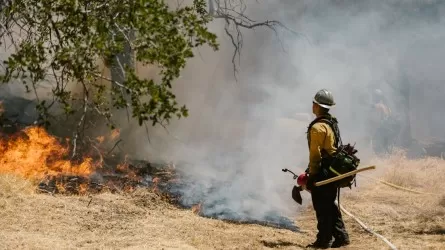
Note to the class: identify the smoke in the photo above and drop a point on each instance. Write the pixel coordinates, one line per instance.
(241, 134)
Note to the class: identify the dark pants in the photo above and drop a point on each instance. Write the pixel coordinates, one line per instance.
(330, 223)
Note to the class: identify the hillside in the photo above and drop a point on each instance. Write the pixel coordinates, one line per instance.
(143, 220)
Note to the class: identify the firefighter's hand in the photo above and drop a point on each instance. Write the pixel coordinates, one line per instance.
(311, 182)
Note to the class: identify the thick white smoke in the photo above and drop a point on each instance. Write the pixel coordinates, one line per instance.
(240, 135)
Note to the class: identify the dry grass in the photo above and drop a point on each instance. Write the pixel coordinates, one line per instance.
(143, 221)
(107, 221)
(409, 220)
(12, 185)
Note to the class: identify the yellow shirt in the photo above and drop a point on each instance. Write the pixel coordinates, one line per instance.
(380, 112)
(321, 137)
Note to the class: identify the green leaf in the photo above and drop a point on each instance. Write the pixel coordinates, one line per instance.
(87, 34)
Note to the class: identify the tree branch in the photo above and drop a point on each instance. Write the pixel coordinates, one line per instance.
(233, 12)
(82, 119)
(64, 48)
(115, 145)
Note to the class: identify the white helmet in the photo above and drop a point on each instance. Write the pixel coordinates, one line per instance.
(324, 98)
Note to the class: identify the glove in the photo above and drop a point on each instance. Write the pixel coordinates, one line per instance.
(311, 182)
(307, 170)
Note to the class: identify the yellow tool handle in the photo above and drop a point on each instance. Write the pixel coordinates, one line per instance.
(336, 178)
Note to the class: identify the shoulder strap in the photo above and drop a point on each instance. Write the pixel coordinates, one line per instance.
(333, 123)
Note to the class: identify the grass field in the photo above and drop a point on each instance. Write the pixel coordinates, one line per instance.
(143, 220)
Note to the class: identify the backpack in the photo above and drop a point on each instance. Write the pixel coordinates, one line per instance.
(343, 160)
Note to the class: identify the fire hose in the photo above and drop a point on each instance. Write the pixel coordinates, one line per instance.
(297, 197)
(397, 186)
(367, 229)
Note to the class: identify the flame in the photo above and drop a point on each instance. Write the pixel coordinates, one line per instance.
(38, 154)
(114, 134)
(100, 139)
(130, 174)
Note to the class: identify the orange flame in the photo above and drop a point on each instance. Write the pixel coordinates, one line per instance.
(38, 155)
(100, 139)
(114, 134)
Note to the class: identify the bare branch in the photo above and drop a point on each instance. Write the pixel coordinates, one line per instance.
(233, 12)
(113, 82)
(236, 45)
(115, 145)
(168, 132)
(82, 119)
(146, 130)
(126, 38)
(97, 149)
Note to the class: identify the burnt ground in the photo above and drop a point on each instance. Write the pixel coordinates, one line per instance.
(145, 219)
(161, 179)
(137, 207)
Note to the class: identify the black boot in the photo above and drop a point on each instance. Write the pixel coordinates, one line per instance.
(319, 245)
(340, 243)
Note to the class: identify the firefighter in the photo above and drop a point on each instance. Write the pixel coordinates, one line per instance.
(323, 142)
(380, 120)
